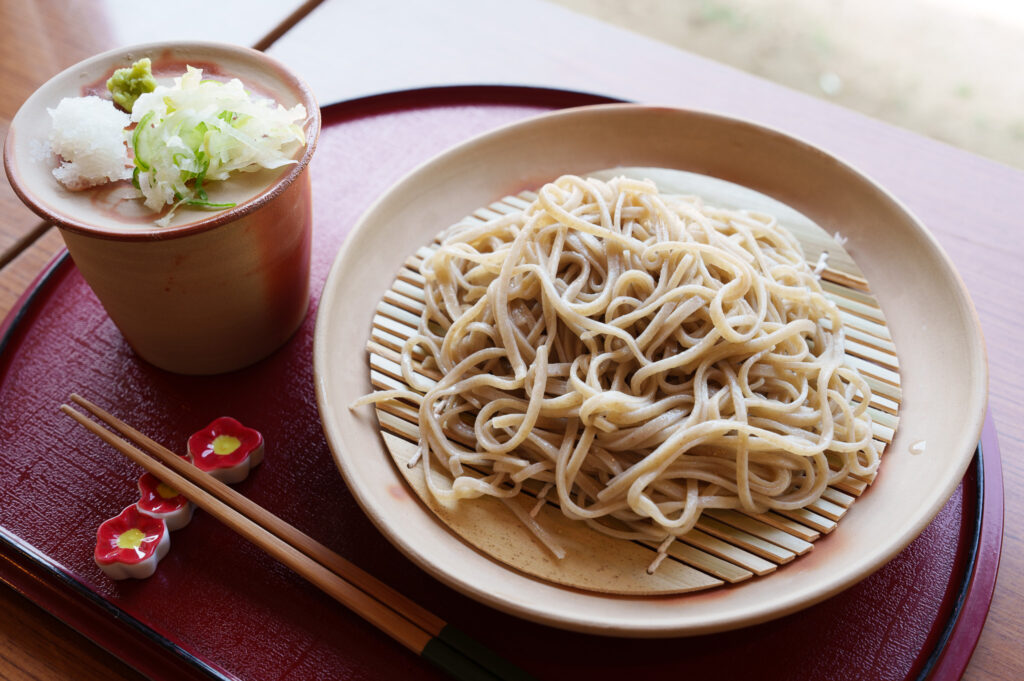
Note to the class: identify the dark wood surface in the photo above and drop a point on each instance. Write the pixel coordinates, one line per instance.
(345, 49)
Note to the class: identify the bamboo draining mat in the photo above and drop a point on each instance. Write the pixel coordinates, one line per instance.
(727, 546)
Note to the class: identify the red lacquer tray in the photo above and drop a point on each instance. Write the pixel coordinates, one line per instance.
(218, 607)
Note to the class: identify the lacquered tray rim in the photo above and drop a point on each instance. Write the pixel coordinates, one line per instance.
(36, 567)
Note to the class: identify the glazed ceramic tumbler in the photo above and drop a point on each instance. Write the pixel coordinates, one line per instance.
(212, 291)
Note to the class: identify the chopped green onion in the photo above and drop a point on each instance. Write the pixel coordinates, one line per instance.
(204, 130)
(140, 163)
(208, 204)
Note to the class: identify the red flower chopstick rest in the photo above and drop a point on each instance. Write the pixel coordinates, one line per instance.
(226, 449)
(160, 501)
(131, 544)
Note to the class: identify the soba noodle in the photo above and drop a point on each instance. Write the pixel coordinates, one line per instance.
(636, 358)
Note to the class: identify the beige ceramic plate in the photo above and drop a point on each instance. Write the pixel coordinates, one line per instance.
(931, 319)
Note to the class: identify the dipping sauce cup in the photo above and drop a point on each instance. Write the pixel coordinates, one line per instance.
(215, 290)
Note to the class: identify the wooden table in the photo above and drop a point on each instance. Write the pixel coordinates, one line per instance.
(347, 49)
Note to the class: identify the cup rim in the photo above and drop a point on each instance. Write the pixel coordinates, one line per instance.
(142, 232)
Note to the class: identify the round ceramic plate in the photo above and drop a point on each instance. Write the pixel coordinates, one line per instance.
(929, 314)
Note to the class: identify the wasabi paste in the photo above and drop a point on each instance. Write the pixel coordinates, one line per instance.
(127, 85)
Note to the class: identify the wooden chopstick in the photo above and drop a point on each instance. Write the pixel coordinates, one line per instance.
(423, 618)
(415, 627)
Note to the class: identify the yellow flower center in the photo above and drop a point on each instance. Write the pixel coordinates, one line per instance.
(131, 539)
(166, 492)
(225, 444)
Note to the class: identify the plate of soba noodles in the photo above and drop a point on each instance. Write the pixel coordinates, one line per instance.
(643, 371)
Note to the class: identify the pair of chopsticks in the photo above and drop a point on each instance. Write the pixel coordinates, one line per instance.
(419, 630)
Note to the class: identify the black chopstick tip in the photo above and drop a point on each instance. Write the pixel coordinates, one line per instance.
(483, 656)
(457, 665)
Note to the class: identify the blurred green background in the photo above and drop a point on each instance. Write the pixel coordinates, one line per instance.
(949, 69)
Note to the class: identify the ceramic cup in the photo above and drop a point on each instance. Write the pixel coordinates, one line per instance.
(212, 291)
